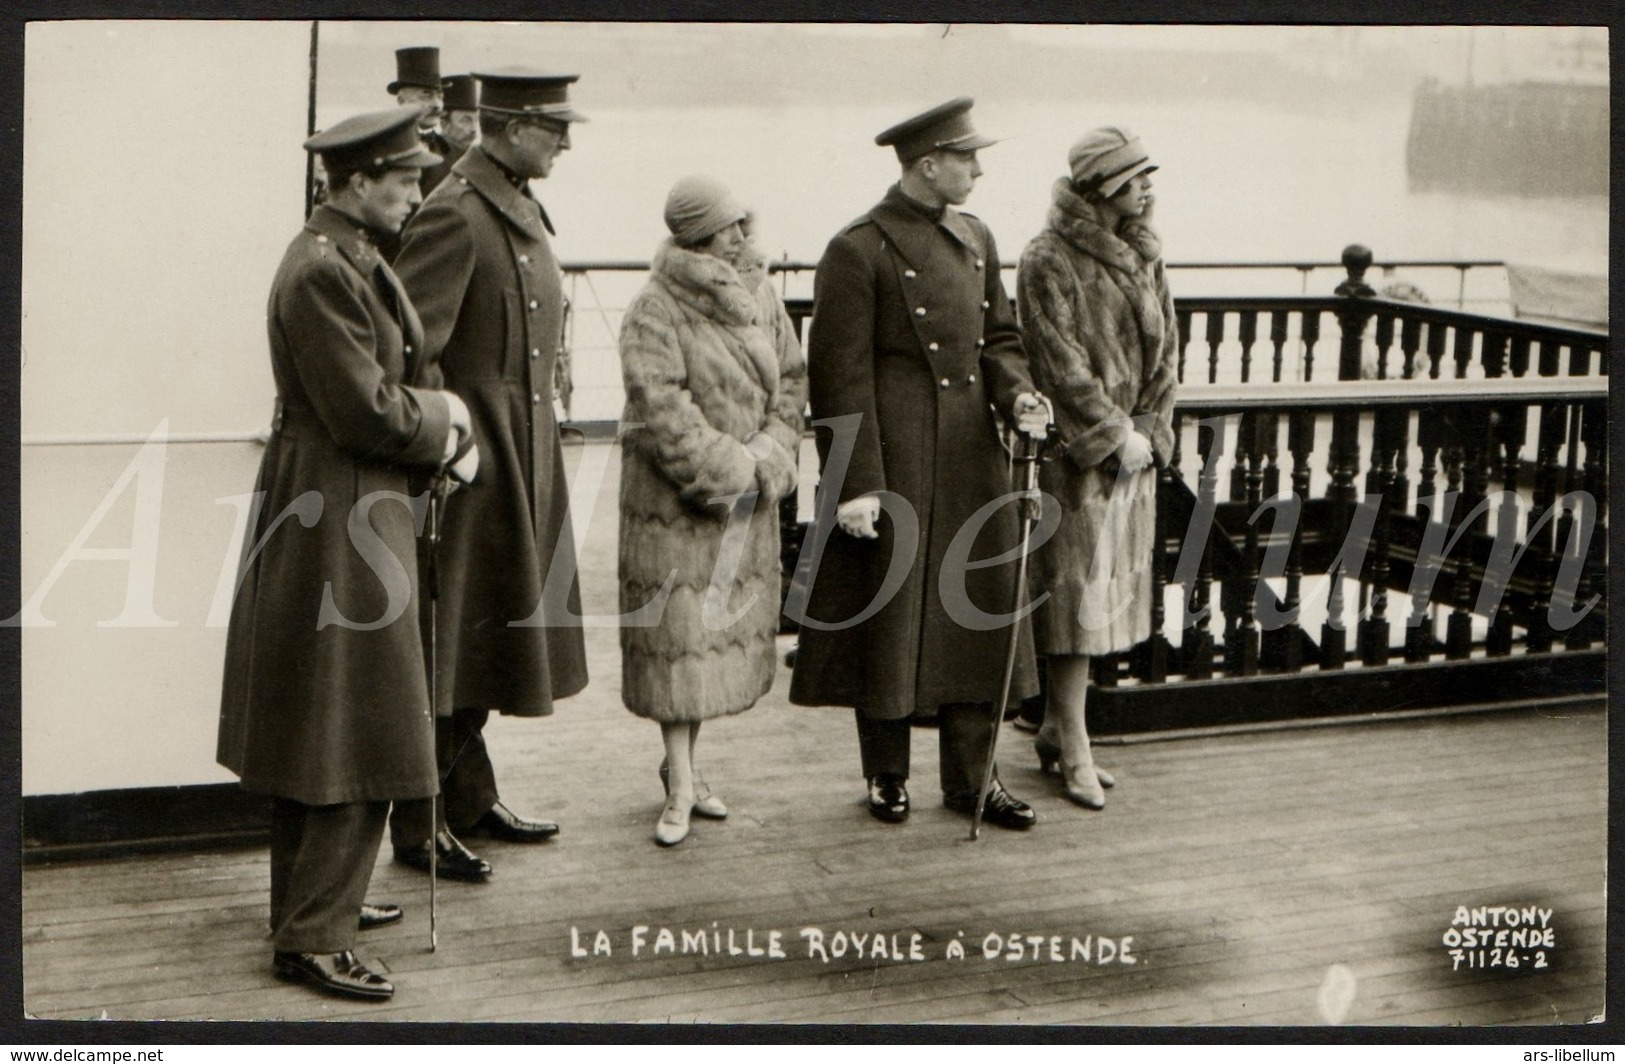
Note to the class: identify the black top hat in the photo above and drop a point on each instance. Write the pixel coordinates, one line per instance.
(377, 140)
(460, 92)
(525, 91)
(946, 126)
(416, 66)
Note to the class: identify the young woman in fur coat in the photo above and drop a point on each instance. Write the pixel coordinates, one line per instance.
(716, 386)
(1098, 324)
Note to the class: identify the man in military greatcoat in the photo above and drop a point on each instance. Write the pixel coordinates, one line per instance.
(324, 704)
(476, 261)
(915, 352)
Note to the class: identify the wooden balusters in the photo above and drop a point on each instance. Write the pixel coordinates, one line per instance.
(1463, 351)
(1333, 633)
(1197, 643)
(1256, 438)
(1182, 319)
(1385, 341)
(1215, 338)
(1388, 441)
(1278, 320)
(1410, 335)
(1300, 443)
(1436, 339)
(1508, 432)
(1493, 353)
(1247, 333)
(1310, 334)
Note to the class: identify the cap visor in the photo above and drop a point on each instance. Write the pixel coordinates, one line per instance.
(974, 142)
(421, 158)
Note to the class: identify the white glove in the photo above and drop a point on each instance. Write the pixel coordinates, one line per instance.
(465, 468)
(857, 516)
(1033, 414)
(1135, 452)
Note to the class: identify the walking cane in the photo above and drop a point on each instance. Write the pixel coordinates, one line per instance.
(439, 488)
(1031, 508)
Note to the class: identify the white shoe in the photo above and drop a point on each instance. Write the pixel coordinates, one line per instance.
(672, 827)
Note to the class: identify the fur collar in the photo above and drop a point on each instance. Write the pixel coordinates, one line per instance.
(1132, 246)
(705, 283)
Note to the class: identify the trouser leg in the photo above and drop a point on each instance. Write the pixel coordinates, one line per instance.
(469, 782)
(883, 745)
(965, 732)
(468, 785)
(327, 854)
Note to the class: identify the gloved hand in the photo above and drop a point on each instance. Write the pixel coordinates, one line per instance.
(1135, 452)
(857, 516)
(1033, 414)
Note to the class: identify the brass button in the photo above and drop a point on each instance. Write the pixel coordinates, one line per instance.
(533, 304)
(978, 264)
(971, 379)
(919, 312)
(910, 274)
(932, 345)
(526, 258)
(535, 397)
(535, 352)
(943, 382)
(986, 304)
(981, 343)
(407, 348)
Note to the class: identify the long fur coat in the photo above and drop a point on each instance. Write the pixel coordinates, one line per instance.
(716, 386)
(1098, 322)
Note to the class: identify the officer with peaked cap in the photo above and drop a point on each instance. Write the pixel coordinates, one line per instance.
(913, 346)
(324, 705)
(478, 266)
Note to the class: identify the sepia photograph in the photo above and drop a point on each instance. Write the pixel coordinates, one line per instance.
(1131, 501)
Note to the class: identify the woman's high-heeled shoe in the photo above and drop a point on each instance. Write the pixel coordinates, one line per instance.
(1083, 787)
(1049, 762)
(672, 827)
(706, 803)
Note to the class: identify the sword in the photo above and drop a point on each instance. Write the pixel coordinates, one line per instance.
(439, 488)
(1031, 508)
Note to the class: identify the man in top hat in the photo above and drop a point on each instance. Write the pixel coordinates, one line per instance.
(324, 704)
(418, 84)
(459, 127)
(913, 334)
(476, 261)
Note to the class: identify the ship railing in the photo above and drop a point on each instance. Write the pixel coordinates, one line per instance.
(1225, 326)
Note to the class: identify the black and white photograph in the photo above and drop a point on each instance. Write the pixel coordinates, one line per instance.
(1131, 501)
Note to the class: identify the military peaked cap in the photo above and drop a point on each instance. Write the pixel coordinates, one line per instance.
(946, 127)
(378, 140)
(416, 66)
(525, 91)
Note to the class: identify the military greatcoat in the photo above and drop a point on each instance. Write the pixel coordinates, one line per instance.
(912, 331)
(476, 261)
(322, 702)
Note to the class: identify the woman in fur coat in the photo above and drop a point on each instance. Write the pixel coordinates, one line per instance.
(715, 387)
(1098, 324)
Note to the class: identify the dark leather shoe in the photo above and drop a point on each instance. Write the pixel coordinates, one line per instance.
(334, 973)
(504, 824)
(453, 860)
(1002, 808)
(888, 798)
(378, 915)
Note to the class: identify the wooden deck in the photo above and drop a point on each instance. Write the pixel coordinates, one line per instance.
(1243, 866)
